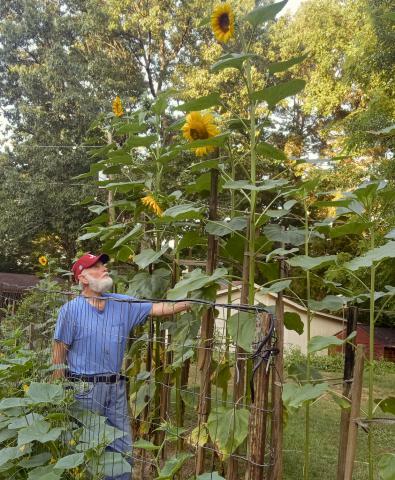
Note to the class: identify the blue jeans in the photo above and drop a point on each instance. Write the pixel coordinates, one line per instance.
(109, 400)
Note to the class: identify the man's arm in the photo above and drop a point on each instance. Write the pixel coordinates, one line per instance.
(165, 309)
(59, 357)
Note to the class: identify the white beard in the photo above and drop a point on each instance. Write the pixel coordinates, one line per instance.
(99, 285)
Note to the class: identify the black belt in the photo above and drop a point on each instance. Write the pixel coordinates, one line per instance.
(96, 378)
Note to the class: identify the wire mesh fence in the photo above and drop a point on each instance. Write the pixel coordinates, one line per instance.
(127, 375)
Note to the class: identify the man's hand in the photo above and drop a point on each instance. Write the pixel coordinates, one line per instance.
(165, 309)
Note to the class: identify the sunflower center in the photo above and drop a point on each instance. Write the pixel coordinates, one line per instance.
(198, 134)
(223, 22)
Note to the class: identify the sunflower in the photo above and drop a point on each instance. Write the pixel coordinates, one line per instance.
(42, 260)
(149, 201)
(117, 107)
(223, 22)
(200, 127)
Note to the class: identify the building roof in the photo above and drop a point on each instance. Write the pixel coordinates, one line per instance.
(383, 335)
(17, 282)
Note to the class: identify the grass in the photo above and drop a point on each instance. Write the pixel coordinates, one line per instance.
(325, 419)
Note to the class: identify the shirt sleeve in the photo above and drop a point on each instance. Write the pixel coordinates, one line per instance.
(63, 329)
(139, 312)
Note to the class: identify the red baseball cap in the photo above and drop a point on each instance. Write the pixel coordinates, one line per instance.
(86, 261)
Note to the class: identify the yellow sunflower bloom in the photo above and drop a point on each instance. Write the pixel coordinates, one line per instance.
(149, 201)
(42, 260)
(223, 22)
(200, 127)
(117, 107)
(25, 388)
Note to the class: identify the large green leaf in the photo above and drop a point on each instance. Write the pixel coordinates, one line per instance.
(268, 151)
(387, 405)
(125, 187)
(320, 343)
(294, 395)
(200, 103)
(280, 252)
(70, 461)
(25, 420)
(146, 285)
(45, 393)
(195, 281)
(273, 95)
(162, 101)
(173, 465)
(145, 444)
(11, 453)
(45, 473)
(259, 187)
(228, 428)
(386, 466)
(191, 239)
(275, 233)
(264, 13)
(222, 228)
(282, 66)
(350, 228)
(332, 303)
(11, 402)
(216, 141)
(230, 60)
(142, 397)
(40, 431)
(241, 328)
(372, 256)
(148, 256)
(277, 286)
(129, 236)
(292, 321)
(35, 460)
(183, 212)
(109, 464)
(309, 263)
(137, 141)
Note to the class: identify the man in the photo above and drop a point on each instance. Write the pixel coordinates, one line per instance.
(90, 338)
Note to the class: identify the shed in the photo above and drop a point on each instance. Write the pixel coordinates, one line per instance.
(384, 341)
(322, 323)
(13, 286)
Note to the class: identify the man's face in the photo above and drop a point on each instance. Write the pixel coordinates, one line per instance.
(97, 278)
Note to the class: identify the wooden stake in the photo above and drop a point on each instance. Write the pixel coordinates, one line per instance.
(356, 392)
(349, 358)
(207, 328)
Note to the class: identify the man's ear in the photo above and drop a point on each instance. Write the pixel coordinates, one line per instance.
(82, 280)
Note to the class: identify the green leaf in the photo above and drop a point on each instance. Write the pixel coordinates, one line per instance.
(40, 431)
(228, 428)
(309, 263)
(387, 405)
(195, 281)
(268, 151)
(146, 285)
(210, 476)
(216, 141)
(162, 101)
(142, 397)
(320, 343)
(190, 239)
(132, 234)
(45, 393)
(273, 95)
(241, 328)
(70, 461)
(351, 228)
(25, 421)
(261, 186)
(130, 128)
(372, 256)
(35, 460)
(201, 103)
(292, 321)
(280, 252)
(277, 287)
(45, 473)
(294, 396)
(137, 141)
(264, 13)
(183, 212)
(173, 465)
(230, 60)
(330, 302)
(207, 164)
(109, 464)
(386, 466)
(145, 444)
(275, 233)
(282, 66)
(222, 228)
(11, 402)
(148, 256)
(11, 453)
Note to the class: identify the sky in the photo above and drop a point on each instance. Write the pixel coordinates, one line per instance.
(292, 6)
